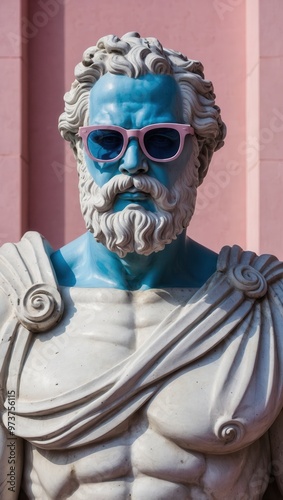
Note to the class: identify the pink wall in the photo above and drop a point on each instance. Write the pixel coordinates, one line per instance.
(241, 47)
(13, 137)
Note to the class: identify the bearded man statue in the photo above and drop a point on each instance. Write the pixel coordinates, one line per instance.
(136, 363)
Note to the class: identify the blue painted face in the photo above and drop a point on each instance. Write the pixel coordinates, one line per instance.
(132, 104)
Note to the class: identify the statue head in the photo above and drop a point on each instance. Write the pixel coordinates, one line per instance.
(134, 82)
(134, 56)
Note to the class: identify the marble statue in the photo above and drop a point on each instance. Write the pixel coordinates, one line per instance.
(135, 363)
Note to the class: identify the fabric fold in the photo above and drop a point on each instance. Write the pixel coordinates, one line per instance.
(238, 309)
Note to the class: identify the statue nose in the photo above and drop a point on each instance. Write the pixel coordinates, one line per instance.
(133, 161)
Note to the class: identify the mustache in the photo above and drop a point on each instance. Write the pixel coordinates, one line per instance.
(103, 197)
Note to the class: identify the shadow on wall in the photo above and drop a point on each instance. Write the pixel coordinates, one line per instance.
(44, 33)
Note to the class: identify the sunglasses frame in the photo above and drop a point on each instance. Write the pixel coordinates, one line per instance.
(182, 128)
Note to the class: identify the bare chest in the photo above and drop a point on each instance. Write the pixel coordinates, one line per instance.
(100, 333)
(99, 330)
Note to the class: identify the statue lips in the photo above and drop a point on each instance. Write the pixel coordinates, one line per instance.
(133, 195)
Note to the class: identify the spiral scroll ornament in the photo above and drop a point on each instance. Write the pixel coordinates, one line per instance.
(40, 307)
(249, 280)
(229, 431)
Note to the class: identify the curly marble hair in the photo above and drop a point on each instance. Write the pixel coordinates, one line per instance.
(134, 56)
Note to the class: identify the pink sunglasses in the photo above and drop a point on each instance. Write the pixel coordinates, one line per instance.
(161, 142)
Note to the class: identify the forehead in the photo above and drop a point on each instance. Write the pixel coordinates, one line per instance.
(146, 96)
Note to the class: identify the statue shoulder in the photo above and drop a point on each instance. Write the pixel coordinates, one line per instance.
(252, 273)
(30, 302)
(26, 261)
(28, 281)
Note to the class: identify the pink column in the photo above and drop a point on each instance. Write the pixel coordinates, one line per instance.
(264, 144)
(13, 143)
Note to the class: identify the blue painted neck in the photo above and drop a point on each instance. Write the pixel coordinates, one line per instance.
(86, 263)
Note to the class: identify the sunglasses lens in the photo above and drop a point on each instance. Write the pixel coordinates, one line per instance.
(105, 144)
(162, 143)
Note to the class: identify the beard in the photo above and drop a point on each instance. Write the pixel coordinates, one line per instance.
(135, 229)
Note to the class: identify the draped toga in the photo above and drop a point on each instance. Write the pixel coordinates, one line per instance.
(242, 302)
